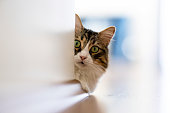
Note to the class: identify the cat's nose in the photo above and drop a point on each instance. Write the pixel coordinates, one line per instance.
(83, 57)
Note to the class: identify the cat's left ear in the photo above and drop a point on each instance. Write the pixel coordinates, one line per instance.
(107, 34)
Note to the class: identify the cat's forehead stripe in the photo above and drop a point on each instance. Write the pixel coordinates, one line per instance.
(82, 37)
(90, 32)
(93, 40)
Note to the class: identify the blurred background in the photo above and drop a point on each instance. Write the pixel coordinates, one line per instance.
(134, 25)
(139, 52)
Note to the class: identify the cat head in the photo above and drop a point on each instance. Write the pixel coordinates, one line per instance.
(91, 48)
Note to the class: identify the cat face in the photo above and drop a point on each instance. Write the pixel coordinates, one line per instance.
(91, 48)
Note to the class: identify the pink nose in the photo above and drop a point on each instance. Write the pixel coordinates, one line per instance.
(83, 57)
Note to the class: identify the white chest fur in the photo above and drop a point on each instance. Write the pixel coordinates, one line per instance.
(88, 73)
(88, 76)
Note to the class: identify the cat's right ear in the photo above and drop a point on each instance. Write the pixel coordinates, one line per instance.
(107, 34)
(78, 24)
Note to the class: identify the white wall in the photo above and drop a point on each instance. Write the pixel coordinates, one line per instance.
(36, 47)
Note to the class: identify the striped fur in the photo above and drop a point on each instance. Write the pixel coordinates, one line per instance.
(89, 71)
(89, 36)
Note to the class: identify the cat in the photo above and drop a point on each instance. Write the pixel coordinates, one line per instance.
(90, 54)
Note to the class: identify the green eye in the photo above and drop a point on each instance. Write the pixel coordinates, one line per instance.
(77, 44)
(94, 49)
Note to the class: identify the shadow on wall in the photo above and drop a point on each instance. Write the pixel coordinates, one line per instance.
(51, 98)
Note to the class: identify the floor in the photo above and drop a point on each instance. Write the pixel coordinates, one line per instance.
(121, 92)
